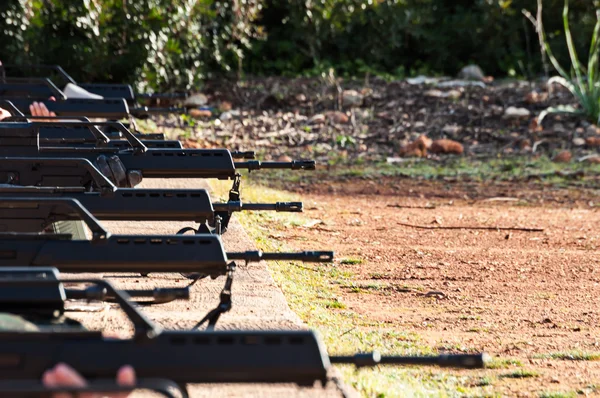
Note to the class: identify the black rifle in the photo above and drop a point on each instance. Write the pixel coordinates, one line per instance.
(60, 132)
(23, 91)
(202, 255)
(107, 202)
(22, 297)
(124, 91)
(163, 359)
(22, 140)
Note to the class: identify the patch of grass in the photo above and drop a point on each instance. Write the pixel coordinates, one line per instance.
(541, 170)
(558, 394)
(335, 304)
(520, 374)
(572, 356)
(482, 382)
(312, 293)
(503, 363)
(351, 261)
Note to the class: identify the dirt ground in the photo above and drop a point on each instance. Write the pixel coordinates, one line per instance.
(518, 294)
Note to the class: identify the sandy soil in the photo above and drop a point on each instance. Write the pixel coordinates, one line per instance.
(514, 294)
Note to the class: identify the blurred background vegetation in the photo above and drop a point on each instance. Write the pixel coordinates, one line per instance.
(161, 44)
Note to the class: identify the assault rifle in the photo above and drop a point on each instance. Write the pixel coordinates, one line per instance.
(200, 255)
(23, 91)
(165, 359)
(124, 91)
(22, 140)
(107, 202)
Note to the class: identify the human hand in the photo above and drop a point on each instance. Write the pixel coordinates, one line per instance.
(63, 375)
(39, 109)
(4, 114)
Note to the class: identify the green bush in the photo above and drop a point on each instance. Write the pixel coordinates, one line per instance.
(176, 43)
(412, 36)
(156, 43)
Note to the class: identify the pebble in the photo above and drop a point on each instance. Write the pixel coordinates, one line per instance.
(559, 128)
(471, 72)
(593, 160)
(352, 98)
(593, 142)
(225, 116)
(578, 141)
(319, 118)
(446, 147)
(513, 112)
(196, 100)
(451, 129)
(200, 113)
(592, 130)
(337, 117)
(562, 157)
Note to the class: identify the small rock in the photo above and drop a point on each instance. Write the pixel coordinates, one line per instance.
(451, 129)
(554, 380)
(284, 158)
(225, 106)
(195, 100)
(300, 97)
(417, 148)
(471, 72)
(225, 116)
(434, 93)
(446, 146)
(337, 117)
(578, 141)
(593, 142)
(559, 128)
(319, 118)
(592, 130)
(535, 97)
(352, 98)
(593, 160)
(200, 113)
(562, 157)
(454, 94)
(513, 112)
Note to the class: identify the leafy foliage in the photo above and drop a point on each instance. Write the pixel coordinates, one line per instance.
(582, 82)
(177, 43)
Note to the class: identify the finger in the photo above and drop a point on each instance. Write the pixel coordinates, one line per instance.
(49, 380)
(44, 110)
(51, 99)
(36, 109)
(125, 377)
(68, 377)
(52, 114)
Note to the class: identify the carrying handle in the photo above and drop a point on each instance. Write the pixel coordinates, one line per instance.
(55, 91)
(56, 68)
(98, 232)
(99, 179)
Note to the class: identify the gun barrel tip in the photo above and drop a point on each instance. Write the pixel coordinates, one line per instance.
(486, 359)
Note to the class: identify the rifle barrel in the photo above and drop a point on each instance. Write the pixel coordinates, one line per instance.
(158, 294)
(471, 361)
(293, 165)
(230, 206)
(306, 256)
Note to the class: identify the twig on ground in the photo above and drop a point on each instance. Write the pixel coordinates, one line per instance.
(413, 207)
(476, 227)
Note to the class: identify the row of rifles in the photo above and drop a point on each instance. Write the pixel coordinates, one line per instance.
(60, 175)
